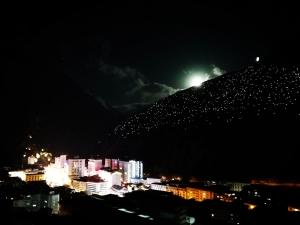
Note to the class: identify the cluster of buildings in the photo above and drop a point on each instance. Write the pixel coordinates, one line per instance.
(92, 176)
(197, 192)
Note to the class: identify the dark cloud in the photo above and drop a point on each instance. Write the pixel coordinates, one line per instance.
(132, 88)
(133, 107)
(152, 92)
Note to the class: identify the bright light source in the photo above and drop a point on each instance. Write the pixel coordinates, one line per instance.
(125, 210)
(257, 59)
(197, 79)
(143, 216)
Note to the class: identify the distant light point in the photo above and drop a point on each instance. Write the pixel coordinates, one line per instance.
(257, 59)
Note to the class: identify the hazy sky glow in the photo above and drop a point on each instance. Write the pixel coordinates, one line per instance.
(196, 79)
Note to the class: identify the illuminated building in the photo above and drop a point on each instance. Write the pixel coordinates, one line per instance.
(106, 176)
(78, 185)
(35, 176)
(61, 161)
(114, 164)
(94, 165)
(179, 191)
(158, 187)
(20, 174)
(91, 185)
(124, 168)
(236, 186)
(107, 163)
(199, 194)
(28, 175)
(116, 178)
(135, 171)
(76, 168)
(150, 181)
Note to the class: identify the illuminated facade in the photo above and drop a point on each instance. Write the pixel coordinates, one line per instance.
(158, 187)
(179, 191)
(78, 185)
(116, 178)
(28, 176)
(135, 171)
(76, 168)
(94, 165)
(236, 186)
(107, 163)
(114, 164)
(199, 194)
(124, 168)
(34, 176)
(91, 185)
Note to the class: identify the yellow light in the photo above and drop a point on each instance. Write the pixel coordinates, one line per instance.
(251, 207)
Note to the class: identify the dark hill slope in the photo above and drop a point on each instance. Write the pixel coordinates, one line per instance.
(242, 122)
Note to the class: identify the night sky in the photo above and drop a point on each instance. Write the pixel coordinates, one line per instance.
(130, 55)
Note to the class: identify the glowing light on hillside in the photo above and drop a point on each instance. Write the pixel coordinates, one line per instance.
(196, 80)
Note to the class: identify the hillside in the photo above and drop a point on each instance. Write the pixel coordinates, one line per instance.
(243, 121)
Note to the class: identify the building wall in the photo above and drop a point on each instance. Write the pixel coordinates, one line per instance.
(179, 191)
(199, 194)
(35, 177)
(79, 186)
(76, 167)
(116, 178)
(114, 164)
(107, 163)
(92, 188)
(158, 187)
(236, 186)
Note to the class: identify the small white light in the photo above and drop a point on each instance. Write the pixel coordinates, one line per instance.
(257, 59)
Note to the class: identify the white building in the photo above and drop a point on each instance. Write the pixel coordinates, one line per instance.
(135, 171)
(91, 186)
(21, 174)
(61, 161)
(107, 163)
(158, 187)
(94, 165)
(150, 180)
(77, 167)
(114, 164)
(116, 178)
